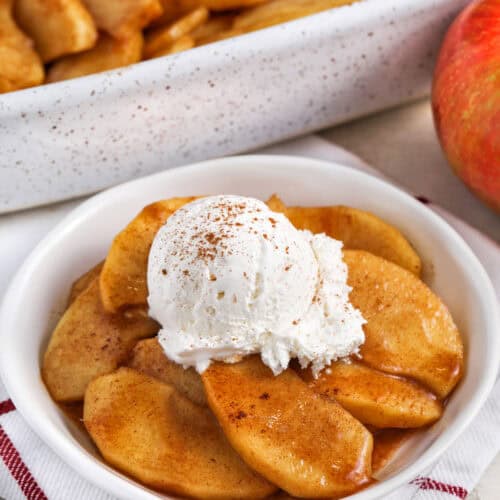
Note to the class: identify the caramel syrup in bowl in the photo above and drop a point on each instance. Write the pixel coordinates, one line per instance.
(386, 443)
(74, 413)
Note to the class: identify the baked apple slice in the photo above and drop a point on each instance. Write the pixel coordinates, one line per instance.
(149, 358)
(20, 64)
(124, 275)
(148, 430)
(409, 331)
(57, 28)
(81, 283)
(108, 53)
(306, 444)
(357, 229)
(89, 342)
(374, 397)
(123, 18)
(275, 203)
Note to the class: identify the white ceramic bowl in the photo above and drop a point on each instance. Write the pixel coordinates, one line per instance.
(36, 296)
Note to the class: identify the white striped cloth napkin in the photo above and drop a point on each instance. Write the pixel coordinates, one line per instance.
(29, 469)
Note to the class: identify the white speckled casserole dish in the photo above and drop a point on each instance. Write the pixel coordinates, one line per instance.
(72, 138)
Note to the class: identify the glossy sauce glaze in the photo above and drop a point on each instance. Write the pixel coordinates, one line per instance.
(386, 443)
(74, 413)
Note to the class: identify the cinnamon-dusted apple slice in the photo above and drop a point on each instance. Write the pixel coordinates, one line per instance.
(89, 342)
(81, 283)
(306, 444)
(409, 331)
(149, 358)
(357, 229)
(20, 65)
(374, 397)
(124, 275)
(123, 18)
(281, 11)
(108, 53)
(148, 430)
(275, 203)
(58, 27)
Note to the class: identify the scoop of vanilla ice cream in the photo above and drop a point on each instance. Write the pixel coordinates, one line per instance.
(228, 277)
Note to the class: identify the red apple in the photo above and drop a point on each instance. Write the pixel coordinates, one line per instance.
(466, 98)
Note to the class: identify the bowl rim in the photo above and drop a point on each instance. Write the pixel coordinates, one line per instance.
(107, 478)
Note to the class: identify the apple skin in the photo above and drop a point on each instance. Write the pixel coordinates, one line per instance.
(466, 98)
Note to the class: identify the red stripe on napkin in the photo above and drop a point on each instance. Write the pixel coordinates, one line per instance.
(426, 483)
(18, 468)
(6, 406)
